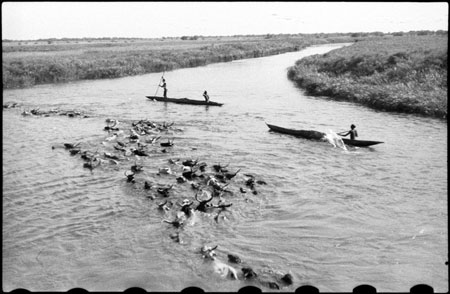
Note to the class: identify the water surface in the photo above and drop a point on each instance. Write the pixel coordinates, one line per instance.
(332, 218)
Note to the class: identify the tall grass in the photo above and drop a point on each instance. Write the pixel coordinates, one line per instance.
(53, 62)
(402, 73)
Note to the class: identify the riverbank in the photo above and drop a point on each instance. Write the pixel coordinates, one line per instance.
(405, 74)
(28, 63)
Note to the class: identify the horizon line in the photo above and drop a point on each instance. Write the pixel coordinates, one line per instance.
(214, 36)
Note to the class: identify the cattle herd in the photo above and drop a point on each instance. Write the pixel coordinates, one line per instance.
(129, 146)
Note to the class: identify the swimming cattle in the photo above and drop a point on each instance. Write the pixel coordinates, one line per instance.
(203, 204)
(93, 163)
(130, 176)
(213, 185)
(11, 105)
(234, 258)
(70, 145)
(136, 167)
(248, 273)
(219, 267)
(169, 143)
(164, 191)
(163, 206)
(46, 113)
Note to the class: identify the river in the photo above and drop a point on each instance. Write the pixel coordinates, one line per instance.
(332, 218)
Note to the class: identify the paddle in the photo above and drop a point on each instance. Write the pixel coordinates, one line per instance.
(157, 88)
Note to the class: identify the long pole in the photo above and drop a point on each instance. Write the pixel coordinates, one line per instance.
(157, 88)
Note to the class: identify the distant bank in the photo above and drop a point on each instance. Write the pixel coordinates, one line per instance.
(402, 73)
(29, 63)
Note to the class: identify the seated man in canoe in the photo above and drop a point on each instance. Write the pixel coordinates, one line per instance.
(352, 132)
(206, 96)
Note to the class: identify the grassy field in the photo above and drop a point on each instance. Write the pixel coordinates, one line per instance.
(28, 63)
(404, 73)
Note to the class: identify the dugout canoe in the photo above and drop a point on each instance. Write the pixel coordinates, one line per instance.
(315, 135)
(306, 134)
(360, 143)
(184, 101)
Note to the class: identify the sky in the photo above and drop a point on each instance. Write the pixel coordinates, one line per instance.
(41, 20)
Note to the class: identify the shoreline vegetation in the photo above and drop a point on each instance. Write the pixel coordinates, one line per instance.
(33, 62)
(404, 73)
(29, 63)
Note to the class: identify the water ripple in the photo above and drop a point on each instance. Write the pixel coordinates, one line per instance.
(324, 214)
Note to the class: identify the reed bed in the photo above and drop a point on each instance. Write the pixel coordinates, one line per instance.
(31, 63)
(405, 74)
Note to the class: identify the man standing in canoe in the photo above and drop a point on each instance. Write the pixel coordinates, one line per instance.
(164, 86)
(353, 133)
(206, 96)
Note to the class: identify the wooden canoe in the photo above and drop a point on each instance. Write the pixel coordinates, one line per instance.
(315, 135)
(184, 101)
(306, 134)
(360, 143)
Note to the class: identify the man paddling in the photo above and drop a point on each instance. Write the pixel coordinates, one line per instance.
(353, 133)
(164, 86)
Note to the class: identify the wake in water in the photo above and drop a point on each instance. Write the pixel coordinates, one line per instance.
(335, 140)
